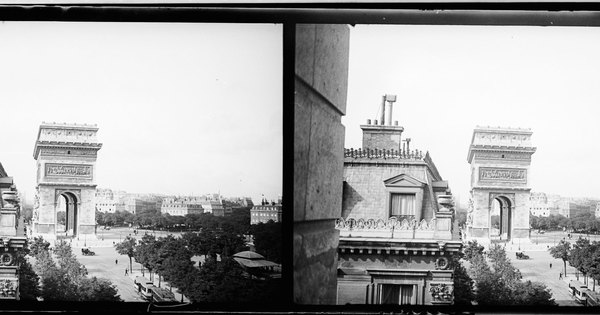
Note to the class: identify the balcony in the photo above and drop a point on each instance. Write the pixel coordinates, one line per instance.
(404, 227)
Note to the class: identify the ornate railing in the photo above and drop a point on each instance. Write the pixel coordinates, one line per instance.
(383, 154)
(392, 223)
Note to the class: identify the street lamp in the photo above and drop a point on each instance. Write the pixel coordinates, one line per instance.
(85, 240)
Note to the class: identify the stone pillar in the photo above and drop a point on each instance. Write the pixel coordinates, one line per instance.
(321, 79)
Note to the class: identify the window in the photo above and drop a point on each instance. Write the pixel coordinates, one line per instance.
(396, 294)
(402, 205)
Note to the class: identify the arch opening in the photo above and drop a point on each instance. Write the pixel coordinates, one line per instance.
(500, 218)
(66, 214)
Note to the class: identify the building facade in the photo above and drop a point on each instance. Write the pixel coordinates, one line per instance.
(181, 206)
(266, 212)
(13, 237)
(539, 205)
(397, 231)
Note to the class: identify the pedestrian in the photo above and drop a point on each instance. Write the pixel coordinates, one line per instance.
(550, 265)
(116, 261)
(560, 276)
(125, 271)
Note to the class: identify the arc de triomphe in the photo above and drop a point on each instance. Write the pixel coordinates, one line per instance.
(499, 206)
(65, 156)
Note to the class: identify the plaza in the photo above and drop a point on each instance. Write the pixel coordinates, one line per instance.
(108, 264)
(537, 267)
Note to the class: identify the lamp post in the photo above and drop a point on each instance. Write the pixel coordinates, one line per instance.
(519, 244)
(84, 240)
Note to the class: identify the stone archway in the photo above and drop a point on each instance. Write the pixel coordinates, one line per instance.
(68, 204)
(499, 205)
(65, 157)
(500, 217)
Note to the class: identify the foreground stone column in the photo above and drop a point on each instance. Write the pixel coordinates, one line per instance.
(321, 79)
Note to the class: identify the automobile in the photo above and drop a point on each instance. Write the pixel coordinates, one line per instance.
(541, 232)
(106, 228)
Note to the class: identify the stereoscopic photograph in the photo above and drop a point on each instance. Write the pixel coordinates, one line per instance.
(141, 162)
(446, 165)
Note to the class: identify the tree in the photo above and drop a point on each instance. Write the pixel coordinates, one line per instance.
(502, 266)
(532, 293)
(267, 240)
(69, 263)
(145, 252)
(461, 217)
(490, 288)
(127, 247)
(27, 213)
(97, 289)
(463, 284)
(561, 251)
(38, 245)
(29, 288)
(580, 255)
(220, 282)
(61, 217)
(473, 249)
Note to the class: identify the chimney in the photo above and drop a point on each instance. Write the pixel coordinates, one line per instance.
(391, 99)
(382, 116)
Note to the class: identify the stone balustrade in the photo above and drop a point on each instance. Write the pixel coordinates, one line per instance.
(383, 154)
(389, 228)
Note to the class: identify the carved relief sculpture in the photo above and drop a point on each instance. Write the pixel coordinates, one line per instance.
(441, 292)
(10, 200)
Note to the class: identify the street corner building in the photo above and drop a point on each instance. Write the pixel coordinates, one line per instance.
(397, 230)
(12, 234)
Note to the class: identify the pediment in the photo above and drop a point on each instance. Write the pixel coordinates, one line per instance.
(403, 180)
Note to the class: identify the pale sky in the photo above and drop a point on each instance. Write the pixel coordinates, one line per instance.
(450, 79)
(182, 108)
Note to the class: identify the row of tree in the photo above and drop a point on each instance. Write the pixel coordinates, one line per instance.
(153, 218)
(62, 278)
(491, 279)
(219, 278)
(583, 255)
(584, 222)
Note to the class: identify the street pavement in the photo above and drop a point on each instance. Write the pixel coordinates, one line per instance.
(108, 264)
(537, 268)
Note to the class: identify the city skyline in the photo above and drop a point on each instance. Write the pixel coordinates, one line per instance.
(450, 79)
(182, 108)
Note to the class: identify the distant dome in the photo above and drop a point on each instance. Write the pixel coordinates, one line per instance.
(249, 255)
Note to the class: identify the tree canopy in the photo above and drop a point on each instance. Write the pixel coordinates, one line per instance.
(66, 279)
(498, 282)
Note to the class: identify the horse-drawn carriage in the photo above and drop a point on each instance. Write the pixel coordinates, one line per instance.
(521, 255)
(87, 252)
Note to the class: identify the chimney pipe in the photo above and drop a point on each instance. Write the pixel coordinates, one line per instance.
(407, 144)
(391, 99)
(382, 116)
